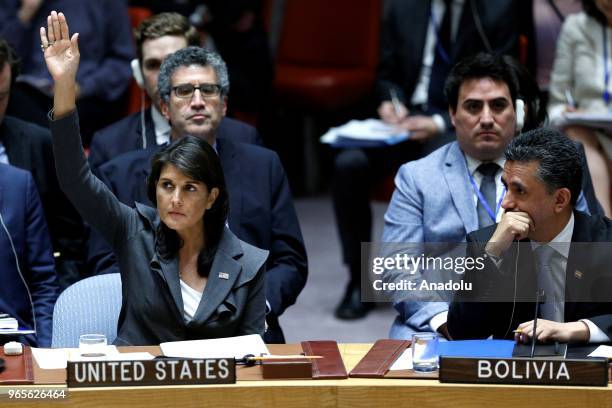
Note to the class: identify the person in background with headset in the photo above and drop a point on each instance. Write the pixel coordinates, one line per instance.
(487, 111)
(542, 173)
(29, 286)
(156, 38)
(420, 41)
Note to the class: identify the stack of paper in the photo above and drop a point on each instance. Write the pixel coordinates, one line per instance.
(602, 351)
(228, 347)
(8, 322)
(365, 133)
(49, 359)
(592, 120)
(10, 326)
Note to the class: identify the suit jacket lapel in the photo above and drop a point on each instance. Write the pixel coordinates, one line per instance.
(419, 19)
(150, 130)
(223, 274)
(16, 147)
(167, 268)
(464, 32)
(577, 260)
(169, 271)
(456, 174)
(2, 199)
(231, 170)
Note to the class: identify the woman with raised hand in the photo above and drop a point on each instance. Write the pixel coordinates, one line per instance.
(184, 273)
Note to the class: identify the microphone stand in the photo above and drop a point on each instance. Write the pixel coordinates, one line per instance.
(539, 294)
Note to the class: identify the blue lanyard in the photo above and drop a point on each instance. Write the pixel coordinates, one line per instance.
(483, 201)
(606, 93)
(441, 50)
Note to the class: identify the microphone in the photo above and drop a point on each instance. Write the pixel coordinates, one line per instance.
(540, 296)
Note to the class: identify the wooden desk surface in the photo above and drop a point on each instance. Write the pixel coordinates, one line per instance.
(352, 392)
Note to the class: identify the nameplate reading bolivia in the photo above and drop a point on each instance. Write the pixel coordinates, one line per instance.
(530, 371)
(166, 371)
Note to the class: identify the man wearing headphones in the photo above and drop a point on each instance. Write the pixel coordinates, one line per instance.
(29, 283)
(457, 188)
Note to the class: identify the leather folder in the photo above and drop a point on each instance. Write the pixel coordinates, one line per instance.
(381, 356)
(331, 365)
(17, 369)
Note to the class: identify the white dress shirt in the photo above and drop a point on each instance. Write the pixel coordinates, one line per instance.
(191, 301)
(162, 127)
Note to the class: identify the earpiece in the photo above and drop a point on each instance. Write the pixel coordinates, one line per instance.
(520, 115)
(136, 72)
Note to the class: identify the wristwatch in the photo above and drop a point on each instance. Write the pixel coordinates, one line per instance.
(496, 259)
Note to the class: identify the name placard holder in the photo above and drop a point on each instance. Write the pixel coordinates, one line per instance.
(164, 371)
(528, 371)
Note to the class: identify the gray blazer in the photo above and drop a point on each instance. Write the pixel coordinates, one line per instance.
(233, 302)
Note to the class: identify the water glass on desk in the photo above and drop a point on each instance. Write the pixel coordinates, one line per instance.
(92, 345)
(424, 351)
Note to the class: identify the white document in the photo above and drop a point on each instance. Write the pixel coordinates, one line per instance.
(602, 351)
(403, 362)
(228, 347)
(9, 323)
(13, 332)
(593, 120)
(369, 130)
(49, 359)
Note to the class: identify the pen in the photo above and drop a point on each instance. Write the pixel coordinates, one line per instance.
(397, 106)
(250, 360)
(570, 99)
(280, 357)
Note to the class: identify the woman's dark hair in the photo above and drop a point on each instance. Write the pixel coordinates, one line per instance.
(8, 56)
(199, 161)
(591, 9)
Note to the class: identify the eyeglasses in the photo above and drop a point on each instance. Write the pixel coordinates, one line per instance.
(206, 90)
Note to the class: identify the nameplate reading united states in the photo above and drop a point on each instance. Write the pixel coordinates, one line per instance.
(530, 371)
(166, 371)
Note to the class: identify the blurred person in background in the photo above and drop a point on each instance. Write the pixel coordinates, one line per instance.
(104, 73)
(580, 81)
(28, 146)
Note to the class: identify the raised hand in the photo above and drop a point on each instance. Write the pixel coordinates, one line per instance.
(61, 51)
